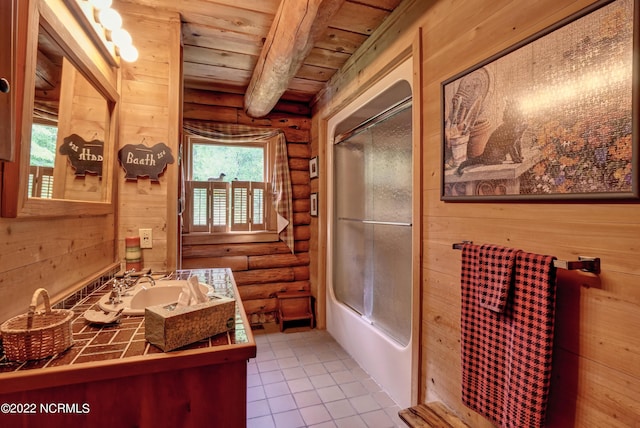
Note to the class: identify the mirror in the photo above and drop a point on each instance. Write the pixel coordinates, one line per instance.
(67, 151)
(68, 131)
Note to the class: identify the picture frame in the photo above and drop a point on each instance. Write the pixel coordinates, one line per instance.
(552, 117)
(314, 204)
(313, 167)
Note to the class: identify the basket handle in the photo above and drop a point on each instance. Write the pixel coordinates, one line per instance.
(34, 302)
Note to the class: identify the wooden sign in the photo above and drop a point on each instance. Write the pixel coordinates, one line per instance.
(85, 156)
(142, 161)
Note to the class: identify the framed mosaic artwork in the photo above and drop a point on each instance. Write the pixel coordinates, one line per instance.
(553, 117)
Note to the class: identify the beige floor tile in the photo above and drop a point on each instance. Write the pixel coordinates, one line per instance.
(303, 378)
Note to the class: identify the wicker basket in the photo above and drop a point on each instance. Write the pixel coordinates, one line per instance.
(37, 335)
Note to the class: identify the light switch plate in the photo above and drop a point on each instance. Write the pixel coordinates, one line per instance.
(146, 238)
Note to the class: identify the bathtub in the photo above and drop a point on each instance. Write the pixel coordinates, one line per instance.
(387, 361)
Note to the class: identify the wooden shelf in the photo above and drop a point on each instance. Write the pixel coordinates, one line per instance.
(294, 306)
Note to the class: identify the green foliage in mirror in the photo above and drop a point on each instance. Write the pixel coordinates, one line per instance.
(43, 145)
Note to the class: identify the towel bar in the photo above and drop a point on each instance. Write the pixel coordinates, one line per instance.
(586, 264)
(458, 245)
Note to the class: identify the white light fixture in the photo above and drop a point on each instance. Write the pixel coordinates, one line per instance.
(101, 4)
(121, 37)
(128, 53)
(111, 22)
(110, 19)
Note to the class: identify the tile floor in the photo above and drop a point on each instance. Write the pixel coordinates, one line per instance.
(303, 378)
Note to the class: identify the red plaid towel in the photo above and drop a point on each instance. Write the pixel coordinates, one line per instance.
(506, 357)
(495, 272)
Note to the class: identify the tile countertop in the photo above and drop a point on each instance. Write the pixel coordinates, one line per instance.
(120, 350)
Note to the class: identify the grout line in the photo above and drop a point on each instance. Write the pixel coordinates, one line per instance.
(365, 412)
(124, 352)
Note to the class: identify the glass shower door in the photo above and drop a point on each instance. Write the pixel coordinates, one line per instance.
(373, 217)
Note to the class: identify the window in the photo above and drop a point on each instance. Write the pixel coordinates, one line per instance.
(227, 187)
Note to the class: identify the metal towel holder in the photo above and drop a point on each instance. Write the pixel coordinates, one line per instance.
(585, 264)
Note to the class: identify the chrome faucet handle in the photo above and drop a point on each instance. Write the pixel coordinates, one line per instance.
(128, 279)
(132, 277)
(116, 293)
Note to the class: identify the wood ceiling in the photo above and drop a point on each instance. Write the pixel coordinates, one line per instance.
(223, 41)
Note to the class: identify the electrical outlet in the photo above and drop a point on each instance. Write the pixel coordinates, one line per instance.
(146, 240)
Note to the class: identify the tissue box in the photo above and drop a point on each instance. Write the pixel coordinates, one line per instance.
(170, 327)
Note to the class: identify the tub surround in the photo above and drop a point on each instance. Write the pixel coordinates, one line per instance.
(124, 380)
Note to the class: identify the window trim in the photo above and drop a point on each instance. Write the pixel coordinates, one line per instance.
(229, 232)
(268, 158)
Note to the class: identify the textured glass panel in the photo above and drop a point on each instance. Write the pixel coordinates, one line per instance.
(350, 177)
(372, 261)
(350, 267)
(350, 264)
(389, 169)
(391, 281)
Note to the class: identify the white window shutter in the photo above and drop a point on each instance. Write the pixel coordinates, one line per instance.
(199, 206)
(258, 217)
(240, 207)
(219, 206)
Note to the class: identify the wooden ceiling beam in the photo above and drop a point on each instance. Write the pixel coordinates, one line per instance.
(297, 26)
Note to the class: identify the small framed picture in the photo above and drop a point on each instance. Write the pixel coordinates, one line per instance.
(314, 204)
(313, 167)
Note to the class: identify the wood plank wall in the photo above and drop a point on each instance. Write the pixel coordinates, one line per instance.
(596, 378)
(261, 269)
(149, 115)
(55, 253)
(85, 116)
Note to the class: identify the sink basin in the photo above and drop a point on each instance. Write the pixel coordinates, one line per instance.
(136, 299)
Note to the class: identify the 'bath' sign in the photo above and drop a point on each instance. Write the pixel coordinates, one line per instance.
(85, 156)
(142, 161)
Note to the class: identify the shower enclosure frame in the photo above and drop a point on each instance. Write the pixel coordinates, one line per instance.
(350, 329)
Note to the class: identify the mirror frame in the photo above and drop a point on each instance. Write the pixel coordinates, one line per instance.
(65, 28)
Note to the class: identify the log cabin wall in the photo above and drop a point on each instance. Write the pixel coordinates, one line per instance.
(596, 377)
(150, 115)
(261, 269)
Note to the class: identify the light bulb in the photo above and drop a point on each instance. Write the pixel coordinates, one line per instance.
(121, 37)
(129, 53)
(110, 19)
(100, 4)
